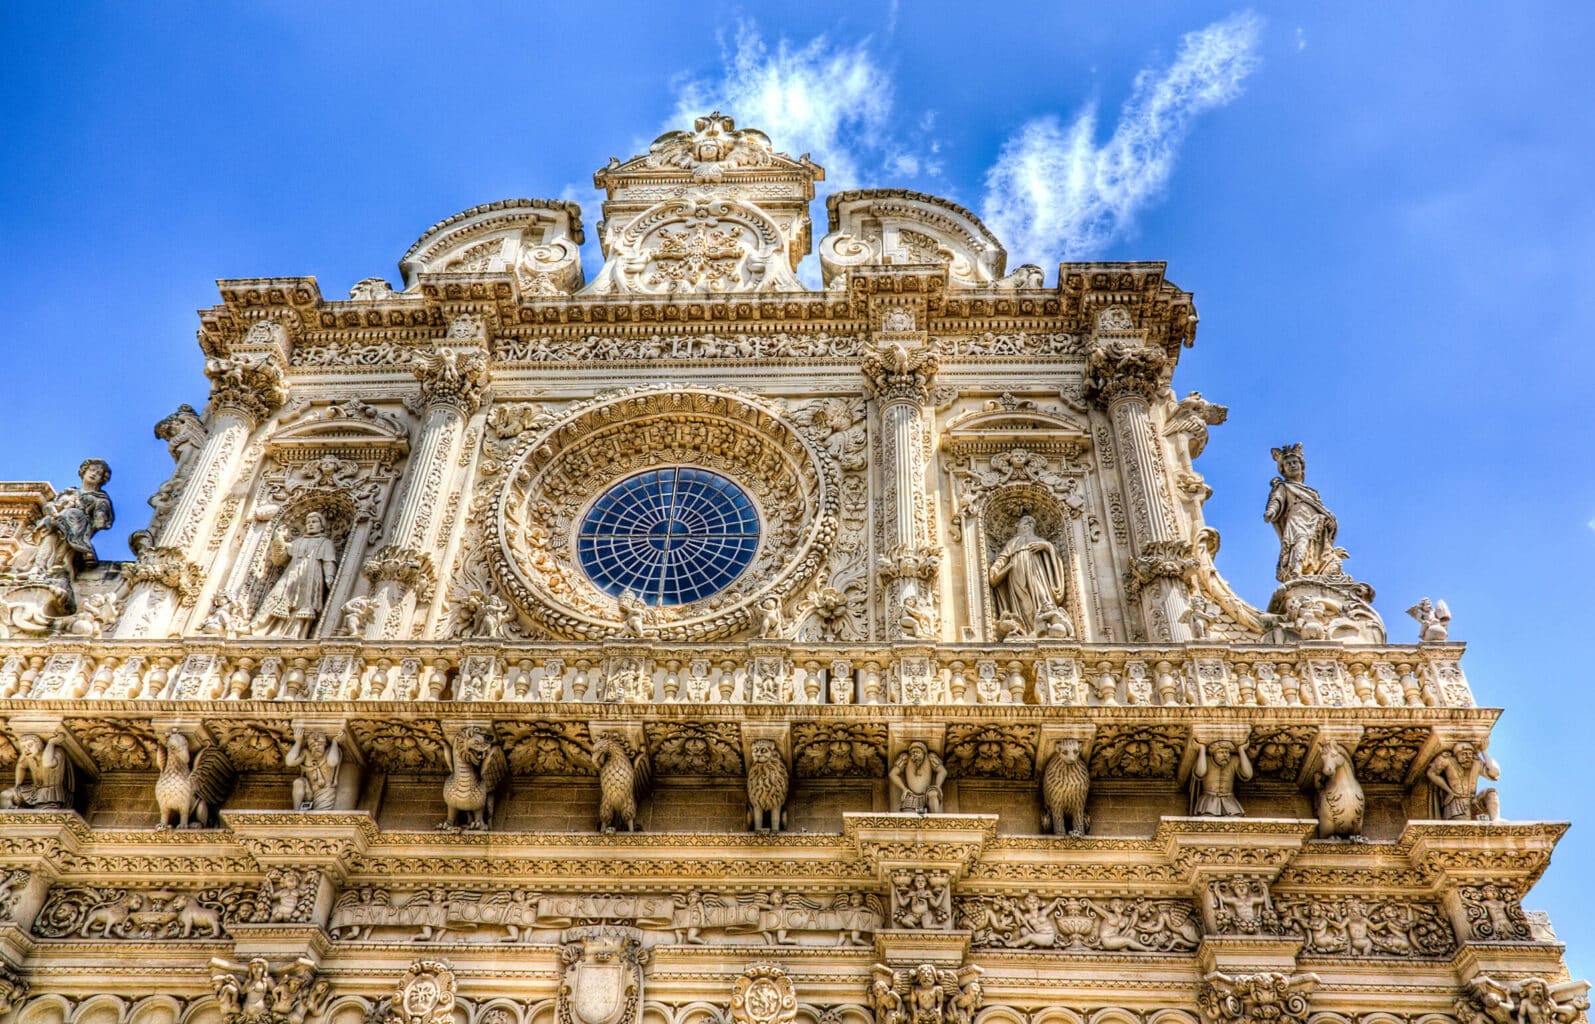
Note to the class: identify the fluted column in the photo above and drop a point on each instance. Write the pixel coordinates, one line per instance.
(900, 382)
(244, 392)
(1123, 378)
(453, 387)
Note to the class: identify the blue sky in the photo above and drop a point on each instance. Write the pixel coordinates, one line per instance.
(1384, 212)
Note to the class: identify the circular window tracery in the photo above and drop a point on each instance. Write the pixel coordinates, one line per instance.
(671, 536)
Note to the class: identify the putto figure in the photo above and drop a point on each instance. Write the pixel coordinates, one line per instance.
(1027, 580)
(1306, 528)
(917, 777)
(1454, 775)
(294, 602)
(1434, 621)
(44, 775)
(1218, 765)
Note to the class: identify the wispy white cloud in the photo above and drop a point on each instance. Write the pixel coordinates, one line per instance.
(1054, 193)
(833, 102)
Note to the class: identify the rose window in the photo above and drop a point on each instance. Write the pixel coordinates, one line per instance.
(670, 536)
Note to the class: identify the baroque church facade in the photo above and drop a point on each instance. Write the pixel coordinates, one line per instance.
(690, 646)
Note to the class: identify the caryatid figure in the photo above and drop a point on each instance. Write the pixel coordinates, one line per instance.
(1306, 528)
(1218, 765)
(1027, 578)
(917, 777)
(317, 757)
(295, 601)
(43, 778)
(1455, 776)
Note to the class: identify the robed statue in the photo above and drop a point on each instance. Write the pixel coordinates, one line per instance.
(294, 602)
(1027, 580)
(64, 535)
(1306, 528)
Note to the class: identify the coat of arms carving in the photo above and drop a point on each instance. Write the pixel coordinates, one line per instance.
(601, 976)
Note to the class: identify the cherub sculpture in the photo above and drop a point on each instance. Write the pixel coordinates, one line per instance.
(478, 771)
(1434, 620)
(191, 793)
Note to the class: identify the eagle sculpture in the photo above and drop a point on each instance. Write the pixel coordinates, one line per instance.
(191, 793)
(623, 778)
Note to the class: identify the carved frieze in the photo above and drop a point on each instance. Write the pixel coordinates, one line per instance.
(1115, 924)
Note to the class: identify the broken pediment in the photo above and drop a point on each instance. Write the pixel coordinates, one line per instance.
(879, 227)
(536, 240)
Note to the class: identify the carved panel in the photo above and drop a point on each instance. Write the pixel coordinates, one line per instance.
(821, 750)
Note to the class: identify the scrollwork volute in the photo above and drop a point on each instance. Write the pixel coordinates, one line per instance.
(554, 473)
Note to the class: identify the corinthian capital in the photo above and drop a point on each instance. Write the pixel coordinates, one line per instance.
(1254, 998)
(894, 373)
(253, 388)
(452, 377)
(1121, 369)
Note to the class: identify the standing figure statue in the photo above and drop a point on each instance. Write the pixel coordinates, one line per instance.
(917, 777)
(1218, 765)
(63, 539)
(44, 776)
(1455, 776)
(1306, 528)
(1027, 580)
(295, 601)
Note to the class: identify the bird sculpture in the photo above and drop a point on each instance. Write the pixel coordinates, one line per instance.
(623, 778)
(190, 793)
(478, 770)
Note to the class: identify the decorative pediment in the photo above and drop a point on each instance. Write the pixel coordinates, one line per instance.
(349, 427)
(536, 240)
(1005, 421)
(877, 227)
(714, 149)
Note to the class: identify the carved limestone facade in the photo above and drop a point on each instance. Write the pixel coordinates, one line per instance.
(687, 646)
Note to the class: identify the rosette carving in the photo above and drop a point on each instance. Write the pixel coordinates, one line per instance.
(552, 476)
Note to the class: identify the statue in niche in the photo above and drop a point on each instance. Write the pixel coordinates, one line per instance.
(64, 535)
(1218, 765)
(1306, 528)
(917, 777)
(44, 776)
(1027, 581)
(294, 602)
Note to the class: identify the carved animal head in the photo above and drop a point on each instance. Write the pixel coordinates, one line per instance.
(177, 747)
(765, 751)
(1068, 750)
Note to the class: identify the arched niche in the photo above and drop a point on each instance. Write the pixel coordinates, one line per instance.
(340, 458)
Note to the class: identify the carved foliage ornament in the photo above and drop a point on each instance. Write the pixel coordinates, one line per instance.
(1268, 997)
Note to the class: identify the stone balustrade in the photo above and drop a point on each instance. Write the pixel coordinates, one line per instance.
(1064, 674)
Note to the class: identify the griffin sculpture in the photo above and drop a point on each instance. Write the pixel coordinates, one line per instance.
(191, 793)
(478, 771)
